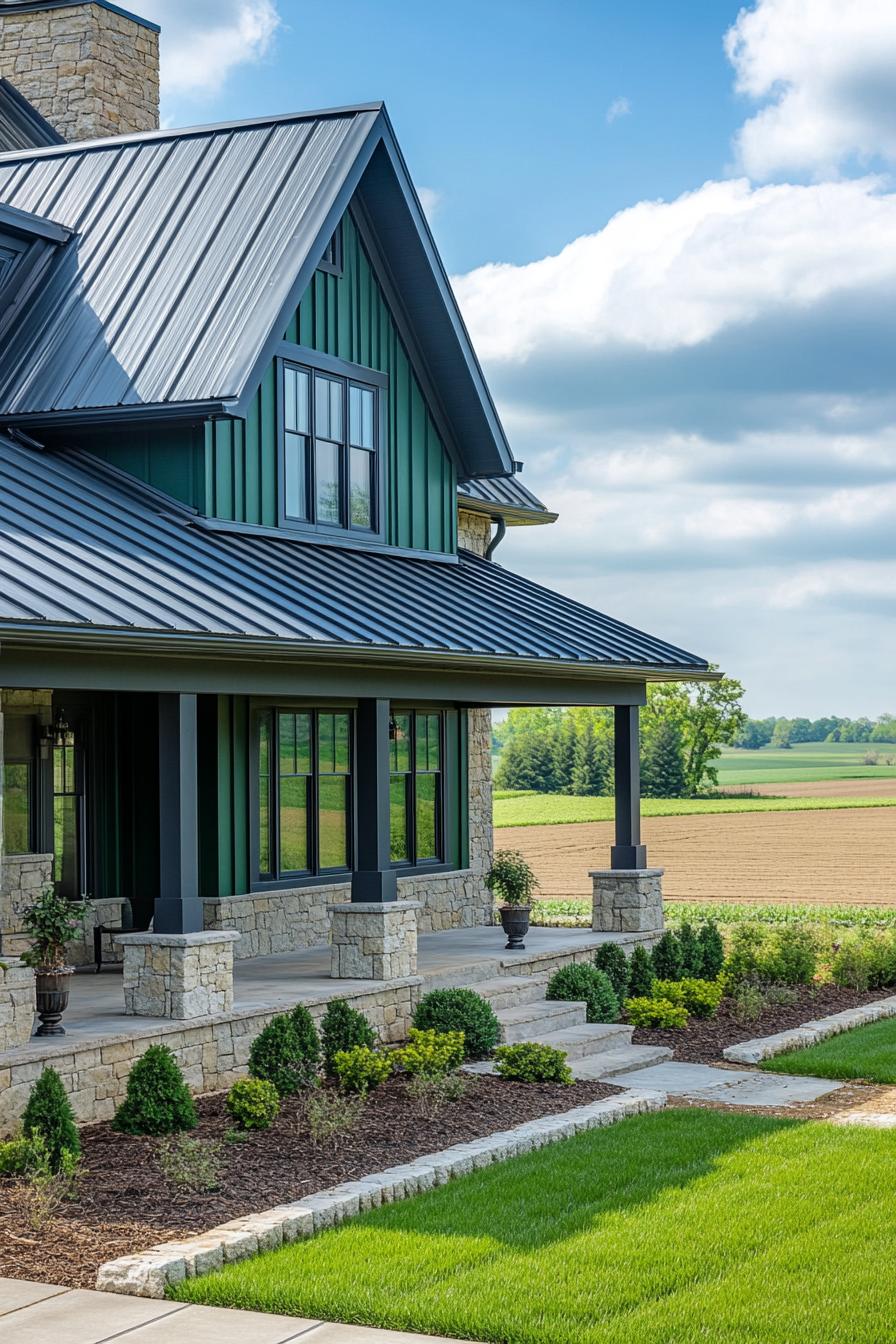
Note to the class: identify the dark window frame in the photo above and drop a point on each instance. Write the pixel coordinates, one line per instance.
(312, 362)
(314, 875)
(414, 863)
(331, 261)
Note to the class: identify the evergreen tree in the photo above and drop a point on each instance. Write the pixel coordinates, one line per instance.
(590, 769)
(662, 766)
(611, 959)
(667, 959)
(691, 952)
(713, 950)
(565, 753)
(641, 975)
(49, 1114)
(527, 762)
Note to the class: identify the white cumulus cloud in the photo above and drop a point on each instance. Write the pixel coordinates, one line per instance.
(202, 41)
(620, 107)
(824, 69)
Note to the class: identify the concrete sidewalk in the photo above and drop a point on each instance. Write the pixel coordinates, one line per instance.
(37, 1313)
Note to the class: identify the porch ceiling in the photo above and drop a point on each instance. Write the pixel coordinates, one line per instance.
(86, 551)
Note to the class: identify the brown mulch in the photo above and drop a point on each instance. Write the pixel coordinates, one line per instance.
(125, 1203)
(703, 1040)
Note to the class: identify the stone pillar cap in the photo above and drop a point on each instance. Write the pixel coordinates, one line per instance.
(373, 907)
(627, 872)
(178, 939)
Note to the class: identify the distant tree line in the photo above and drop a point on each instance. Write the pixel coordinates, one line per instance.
(571, 750)
(774, 732)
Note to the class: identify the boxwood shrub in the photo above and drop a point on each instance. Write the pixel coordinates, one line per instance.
(529, 1062)
(655, 1013)
(460, 1010)
(157, 1100)
(581, 982)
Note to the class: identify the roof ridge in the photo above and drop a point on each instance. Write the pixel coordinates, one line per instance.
(183, 132)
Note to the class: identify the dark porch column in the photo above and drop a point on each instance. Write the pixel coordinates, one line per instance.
(374, 878)
(628, 852)
(178, 908)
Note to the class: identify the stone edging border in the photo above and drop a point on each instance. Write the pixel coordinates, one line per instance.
(149, 1273)
(810, 1033)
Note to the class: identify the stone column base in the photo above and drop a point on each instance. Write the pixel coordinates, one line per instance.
(178, 975)
(373, 940)
(627, 900)
(16, 1003)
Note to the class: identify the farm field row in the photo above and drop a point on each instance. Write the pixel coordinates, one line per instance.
(551, 809)
(806, 762)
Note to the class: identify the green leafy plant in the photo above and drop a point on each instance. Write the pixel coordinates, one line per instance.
(701, 998)
(192, 1164)
(341, 1028)
(253, 1103)
(611, 959)
(749, 1001)
(529, 1062)
(157, 1100)
(48, 1183)
(655, 1013)
(641, 975)
(330, 1114)
(742, 962)
(667, 959)
(48, 1113)
(584, 983)
(286, 1052)
(15, 1155)
(789, 957)
(460, 1010)
(511, 879)
(433, 1093)
(432, 1053)
(691, 951)
(361, 1069)
(51, 922)
(713, 950)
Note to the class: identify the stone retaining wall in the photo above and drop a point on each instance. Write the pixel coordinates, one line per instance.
(16, 1003)
(22, 878)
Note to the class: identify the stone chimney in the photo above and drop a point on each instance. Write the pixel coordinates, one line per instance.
(90, 68)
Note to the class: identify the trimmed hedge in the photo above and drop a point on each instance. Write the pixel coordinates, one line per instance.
(460, 1010)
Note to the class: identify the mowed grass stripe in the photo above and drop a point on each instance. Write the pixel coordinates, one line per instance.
(687, 1225)
(865, 1052)
(557, 809)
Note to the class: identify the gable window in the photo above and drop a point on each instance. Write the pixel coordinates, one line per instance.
(415, 787)
(331, 451)
(331, 261)
(304, 792)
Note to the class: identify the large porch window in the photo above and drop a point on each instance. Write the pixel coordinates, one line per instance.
(415, 787)
(304, 792)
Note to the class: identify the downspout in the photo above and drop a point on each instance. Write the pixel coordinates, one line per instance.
(496, 539)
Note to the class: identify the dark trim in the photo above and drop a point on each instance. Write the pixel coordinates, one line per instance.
(373, 878)
(333, 267)
(178, 908)
(497, 538)
(627, 852)
(343, 540)
(513, 517)
(28, 225)
(342, 368)
(190, 412)
(35, 6)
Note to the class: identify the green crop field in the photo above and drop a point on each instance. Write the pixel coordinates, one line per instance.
(547, 809)
(808, 762)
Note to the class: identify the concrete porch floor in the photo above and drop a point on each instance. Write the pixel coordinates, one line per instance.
(453, 957)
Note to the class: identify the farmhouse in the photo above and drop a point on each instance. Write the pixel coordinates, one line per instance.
(253, 617)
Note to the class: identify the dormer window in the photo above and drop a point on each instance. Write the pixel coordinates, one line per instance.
(331, 458)
(11, 249)
(331, 261)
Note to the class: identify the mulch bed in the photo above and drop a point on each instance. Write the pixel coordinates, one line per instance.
(125, 1203)
(703, 1041)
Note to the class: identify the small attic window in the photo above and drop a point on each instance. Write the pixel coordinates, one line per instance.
(331, 261)
(11, 250)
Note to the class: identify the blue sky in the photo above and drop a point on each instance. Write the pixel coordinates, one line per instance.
(671, 230)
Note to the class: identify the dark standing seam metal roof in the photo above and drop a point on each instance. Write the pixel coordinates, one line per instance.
(83, 548)
(507, 495)
(21, 125)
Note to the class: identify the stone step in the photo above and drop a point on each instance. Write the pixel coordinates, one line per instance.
(508, 991)
(587, 1039)
(620, 1059)
(469, 976)
(518, 1024)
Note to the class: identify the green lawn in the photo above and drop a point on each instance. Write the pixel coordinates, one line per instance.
(866, 1052)
(694, 1226)
(805, 763)
(548, 809)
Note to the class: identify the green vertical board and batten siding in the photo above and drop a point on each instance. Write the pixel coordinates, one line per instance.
(347, 317)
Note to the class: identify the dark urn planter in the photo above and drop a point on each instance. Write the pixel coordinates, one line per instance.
(515, 923)
(52, 1000)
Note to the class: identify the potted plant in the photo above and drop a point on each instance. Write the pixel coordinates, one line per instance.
(513, 882)
(50, 923)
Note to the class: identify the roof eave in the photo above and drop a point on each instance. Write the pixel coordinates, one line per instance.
(513, 517)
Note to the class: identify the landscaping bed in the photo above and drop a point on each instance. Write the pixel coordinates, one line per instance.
(703, 1039)
(125, 1204)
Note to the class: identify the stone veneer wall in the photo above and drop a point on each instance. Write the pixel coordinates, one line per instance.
(16, 1003)
(89, 71)
(213, 1052)
(474, 531)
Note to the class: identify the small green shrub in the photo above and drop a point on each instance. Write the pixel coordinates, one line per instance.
(15, 1156)
(641, 975)
(460, 1010)
(342, 1028)
(583, 983)
(668, 962)
(253, 1103)
(192, 1164)
(330, 1113)
(701, 998)
(749, 1001)
(655, 1013)
(529, 1062)
(713, 950)
(157, 1100)
(286, 1052)
(432, 1053)
(361, 1069)
(691, 951)
(611, 959)
(49, 1114)
(433, 1094)
(743, 957)
(47, 1186)
(788, 957)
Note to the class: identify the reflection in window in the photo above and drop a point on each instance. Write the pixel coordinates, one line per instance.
(415, 787)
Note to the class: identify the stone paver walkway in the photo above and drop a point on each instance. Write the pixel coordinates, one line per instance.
(36, 1313)
(732, 1087)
